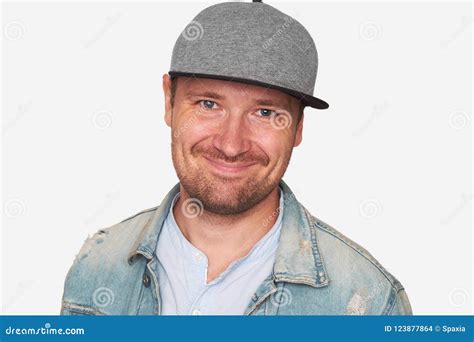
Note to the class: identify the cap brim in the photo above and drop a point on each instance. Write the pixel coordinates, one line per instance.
(308, 100)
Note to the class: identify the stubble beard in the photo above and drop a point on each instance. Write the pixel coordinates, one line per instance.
(223, 195)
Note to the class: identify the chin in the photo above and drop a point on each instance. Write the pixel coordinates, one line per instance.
(227, 201)
(227, 206)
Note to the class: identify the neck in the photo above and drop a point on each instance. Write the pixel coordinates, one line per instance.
(225, 238)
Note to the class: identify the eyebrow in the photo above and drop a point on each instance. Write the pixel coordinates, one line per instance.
(211, 94)
(271, 103)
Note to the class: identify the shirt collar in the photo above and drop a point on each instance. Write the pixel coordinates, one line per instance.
(265, 245)
(298, 259)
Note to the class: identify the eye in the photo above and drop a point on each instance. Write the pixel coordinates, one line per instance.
(207, 104)
(266, 112)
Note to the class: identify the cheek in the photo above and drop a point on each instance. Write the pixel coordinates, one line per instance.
(276, 145)
(188, 130)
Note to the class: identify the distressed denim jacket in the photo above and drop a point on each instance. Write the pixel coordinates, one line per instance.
(317, 271)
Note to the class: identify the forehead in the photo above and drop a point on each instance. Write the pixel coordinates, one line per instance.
(189, 86)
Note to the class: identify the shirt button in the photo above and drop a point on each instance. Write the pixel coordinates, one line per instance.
(196, 312)
(198, 256)
(146, 280)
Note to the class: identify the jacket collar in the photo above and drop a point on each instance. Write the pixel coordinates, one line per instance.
(298, 259)
(148, 238)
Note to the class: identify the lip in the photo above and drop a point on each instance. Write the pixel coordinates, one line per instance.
(229, 168)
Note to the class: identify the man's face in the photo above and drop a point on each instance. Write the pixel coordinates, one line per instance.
(231, 142)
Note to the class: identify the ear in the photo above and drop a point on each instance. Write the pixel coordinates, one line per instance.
(299, 131)
(167, 96)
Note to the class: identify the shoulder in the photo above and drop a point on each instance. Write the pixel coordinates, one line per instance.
(116, 240)
(350, 254)
(102, 264)
(357, 275)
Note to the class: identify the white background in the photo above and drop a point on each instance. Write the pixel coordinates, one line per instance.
(388, 164)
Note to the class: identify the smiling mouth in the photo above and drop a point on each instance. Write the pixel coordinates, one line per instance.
(229, 168)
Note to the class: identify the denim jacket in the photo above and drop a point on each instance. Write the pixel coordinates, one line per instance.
(317, 271)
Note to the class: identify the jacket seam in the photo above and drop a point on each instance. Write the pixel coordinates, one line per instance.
(301, 280)
(318, 257)
(80, 308)
(155, 286)
(140, 298)
(391, 303)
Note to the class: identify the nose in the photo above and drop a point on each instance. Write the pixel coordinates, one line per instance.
(232, 136)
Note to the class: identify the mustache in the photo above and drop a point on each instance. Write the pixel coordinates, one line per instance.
(246, 157)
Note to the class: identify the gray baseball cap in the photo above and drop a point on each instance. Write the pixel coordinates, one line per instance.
(249, 42)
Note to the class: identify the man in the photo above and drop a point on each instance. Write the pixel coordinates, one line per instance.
(231, 238)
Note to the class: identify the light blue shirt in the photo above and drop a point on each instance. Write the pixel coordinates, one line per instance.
(182, 273)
